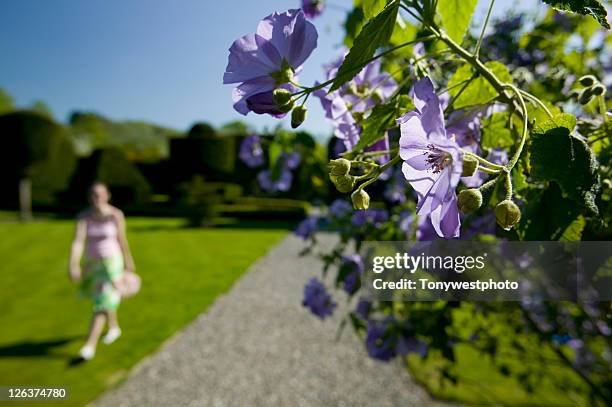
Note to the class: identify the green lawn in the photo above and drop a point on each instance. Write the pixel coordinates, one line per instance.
(43, 322)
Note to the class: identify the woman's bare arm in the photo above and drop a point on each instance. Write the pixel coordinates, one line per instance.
(76, 251)
(123, 242)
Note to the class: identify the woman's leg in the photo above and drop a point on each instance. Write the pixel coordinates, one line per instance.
(112, 319)
(114, 331)
(95, 329)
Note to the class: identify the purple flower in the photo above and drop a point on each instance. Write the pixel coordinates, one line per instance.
(351, 268)
(307, 227)
(406, 345)
(363, 308)
(268, 59)
(432, 160)
(379, 342)
(482, 225)
(355, 100)
(336, 147)
(425, 230)
(313, 8)
(464, 126)
(282, 182)
(340, 208)
(395, 191)
(380, 145)
(373, 217)
(262, 103)
(317, 299)
(406, 222)
(251, 152)
(290, 160)
(384, 341)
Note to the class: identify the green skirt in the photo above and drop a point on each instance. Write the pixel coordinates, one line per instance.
(98, 282)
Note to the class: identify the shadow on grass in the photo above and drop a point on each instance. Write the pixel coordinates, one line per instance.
(34, 349)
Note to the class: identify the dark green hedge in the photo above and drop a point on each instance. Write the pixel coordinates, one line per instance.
(35, 147)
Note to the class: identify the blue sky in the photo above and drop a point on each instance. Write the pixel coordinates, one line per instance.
(155, 60)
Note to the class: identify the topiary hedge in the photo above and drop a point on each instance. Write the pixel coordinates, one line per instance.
(128, 186)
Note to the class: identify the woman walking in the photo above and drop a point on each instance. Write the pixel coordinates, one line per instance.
(100, 234)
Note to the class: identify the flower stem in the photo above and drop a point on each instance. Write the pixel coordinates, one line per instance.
(519, 150)
(489, 170)
(602, 108)
(375, 153)
(477, 64)
(373, 176)
(484, 28)
(536, 101)
(482, 160)
(487, 185)
(508, 186)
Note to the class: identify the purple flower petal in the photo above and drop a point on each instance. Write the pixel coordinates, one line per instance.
(251, 56)
(293, 36)
(246, 90)
(427, 103)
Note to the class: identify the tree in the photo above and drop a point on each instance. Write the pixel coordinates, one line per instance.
(34, 146)
(6, 102)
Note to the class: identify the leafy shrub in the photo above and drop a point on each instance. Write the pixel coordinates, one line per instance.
(199, 202)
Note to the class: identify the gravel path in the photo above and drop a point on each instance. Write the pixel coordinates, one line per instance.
(257, 346)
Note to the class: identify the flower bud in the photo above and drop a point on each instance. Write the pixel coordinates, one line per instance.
(587, 80)
(281, 96)
(469, 200)
(343, 183)
(598, 89)
(341, 166)
(507, 214)
(298, 116)
(286, 108)
(361, 199)
(470, 165)
(585, 96)
(574, 93)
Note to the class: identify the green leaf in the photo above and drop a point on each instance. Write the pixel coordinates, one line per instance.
(353, 25)
(573, 232)
(274, 151)
(479, 91)
(372, 8)
(557, 155)
(403, 32)
(375, 126)
(456, 16)
(519, 180)
(495, 131)
(374, 34)
(585, 7)
(549, 216)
